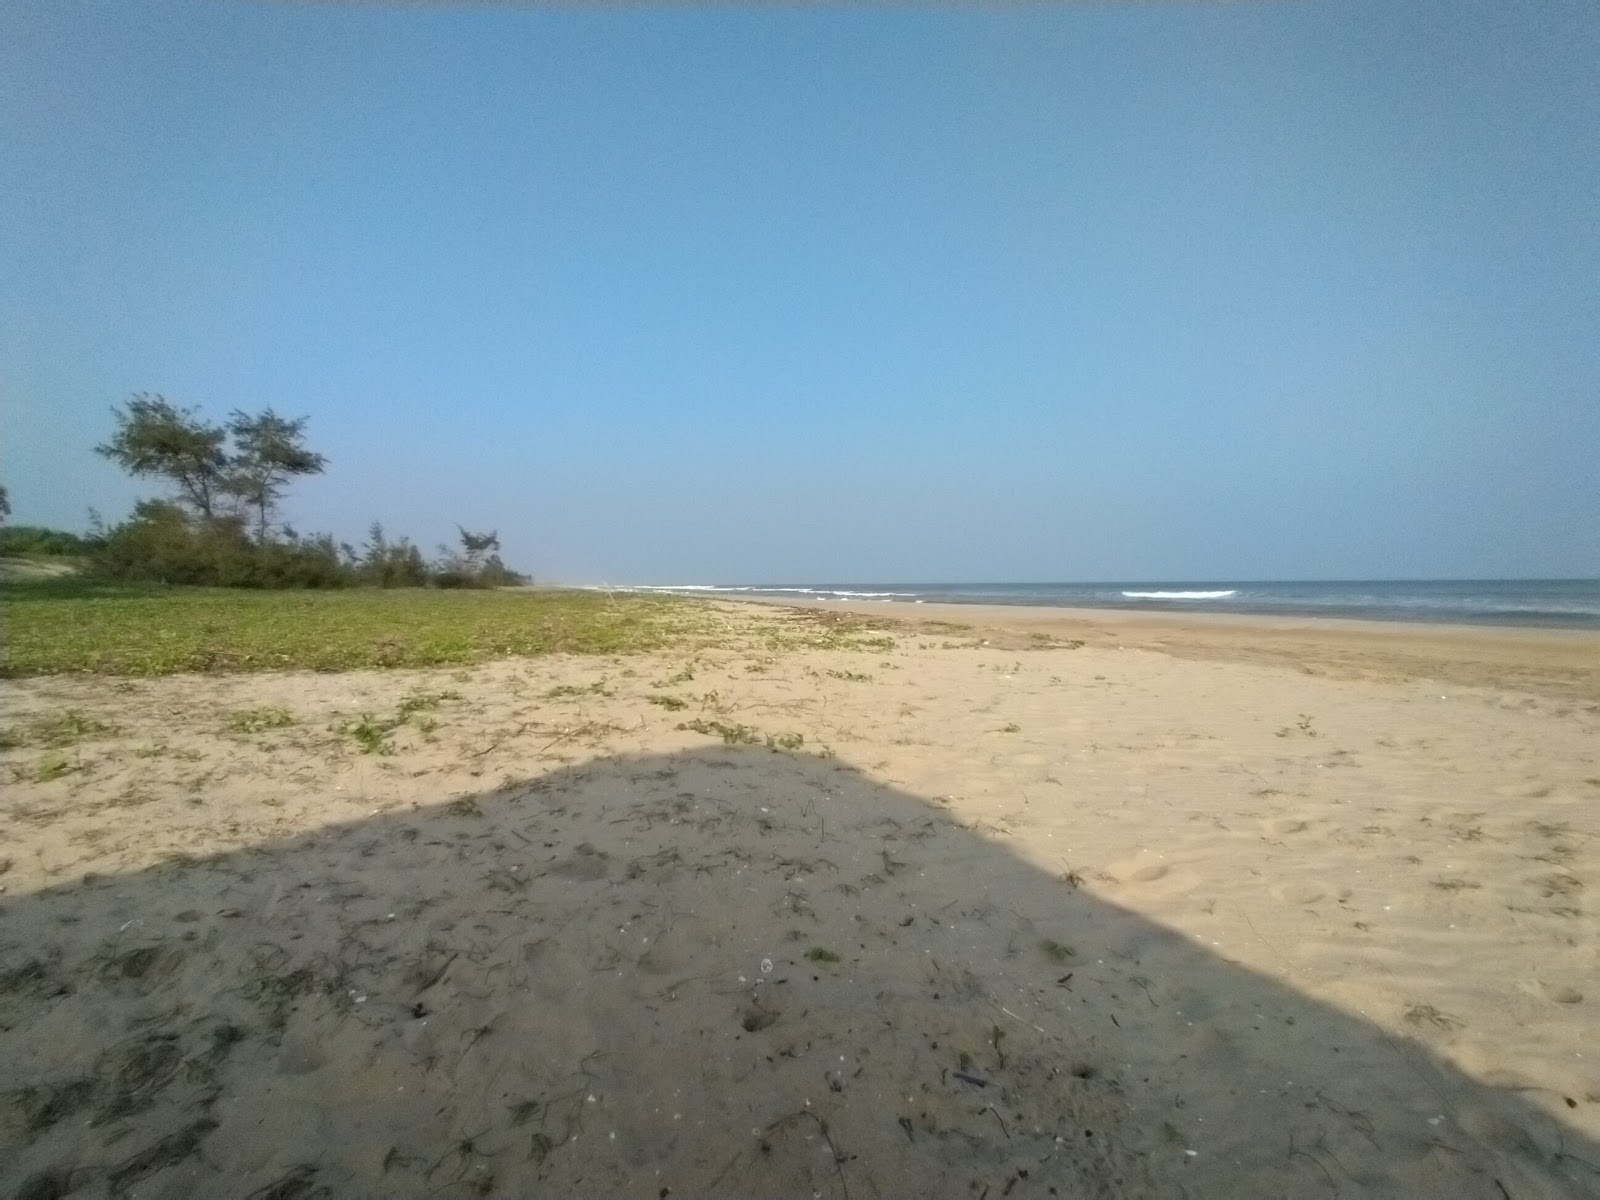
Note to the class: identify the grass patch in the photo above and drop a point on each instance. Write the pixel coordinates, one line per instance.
(67, 729)
(732, 735)
(77, 626)
(52, 766)
(563, 691)
(670, 703)
(371, 733)
(259, 720)
(819, 955)
(423, 702)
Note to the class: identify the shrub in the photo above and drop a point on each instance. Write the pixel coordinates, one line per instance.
(35, 539)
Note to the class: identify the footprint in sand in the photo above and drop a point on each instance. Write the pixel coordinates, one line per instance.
(1524, 791)
(585, 863)
(1282, 826)
(1141, 869)
(1560, 993)
(1299, 892)
(672, 951)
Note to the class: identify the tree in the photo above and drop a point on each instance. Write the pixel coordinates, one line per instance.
(476, 545)
(5, 502)
(269, 451)
(155, 437)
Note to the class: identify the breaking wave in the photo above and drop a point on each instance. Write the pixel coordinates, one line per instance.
(1181, 595)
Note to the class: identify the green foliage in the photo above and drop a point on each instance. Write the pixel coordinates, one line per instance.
(163, 543)
(35, 539)
(52, 766)
(371, 733)
(85, 625)
(732, 735)
(785, 741)
(424, 702)
(63, 729)
(217, 531)
(389, 564)
(157, 438)
(269, 450)
(259, 720)
(563, 690)
(72, 727)
(670, 703)
(819, 955)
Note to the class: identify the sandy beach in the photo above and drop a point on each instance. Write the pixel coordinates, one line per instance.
(981, 902)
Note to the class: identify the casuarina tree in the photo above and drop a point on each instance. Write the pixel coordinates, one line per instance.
(269, 451)
(157, 438)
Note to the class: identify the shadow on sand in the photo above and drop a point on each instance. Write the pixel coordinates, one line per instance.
(717, 973)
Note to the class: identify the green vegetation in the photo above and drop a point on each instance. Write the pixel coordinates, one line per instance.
(819, 955)
(259, 720)
(563, 691)
(424, 702)
(732, 735)
(218, 525)
(52, 766)
(35, 540)
(75, 625)
(371, 733)
(670, 703)
(70, 728)
(63, 729)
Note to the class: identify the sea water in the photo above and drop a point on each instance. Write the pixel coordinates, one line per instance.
(1554, 603)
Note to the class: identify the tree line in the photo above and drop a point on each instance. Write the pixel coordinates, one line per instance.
(219, 524)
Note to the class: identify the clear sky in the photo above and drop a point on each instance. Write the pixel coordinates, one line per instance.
(1048, 292)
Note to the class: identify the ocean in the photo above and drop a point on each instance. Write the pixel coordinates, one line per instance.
(1550, 603)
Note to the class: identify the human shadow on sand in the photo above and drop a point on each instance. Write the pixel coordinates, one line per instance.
(725, 972)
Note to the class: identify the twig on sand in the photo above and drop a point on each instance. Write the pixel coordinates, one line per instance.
(1029, 1024)
(573, 732)
(437, 975)
(773, 1126)
(838, 1162)
(498, 742)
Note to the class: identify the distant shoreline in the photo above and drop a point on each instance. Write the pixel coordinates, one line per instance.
(1572, 604)
(1552, 662)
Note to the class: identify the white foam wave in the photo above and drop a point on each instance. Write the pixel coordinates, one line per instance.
(1180, 595)
(834, 593)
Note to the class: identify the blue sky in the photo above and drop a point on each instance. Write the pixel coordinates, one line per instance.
(1137, 291)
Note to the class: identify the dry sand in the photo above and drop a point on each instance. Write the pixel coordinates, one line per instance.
(1224, 909)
